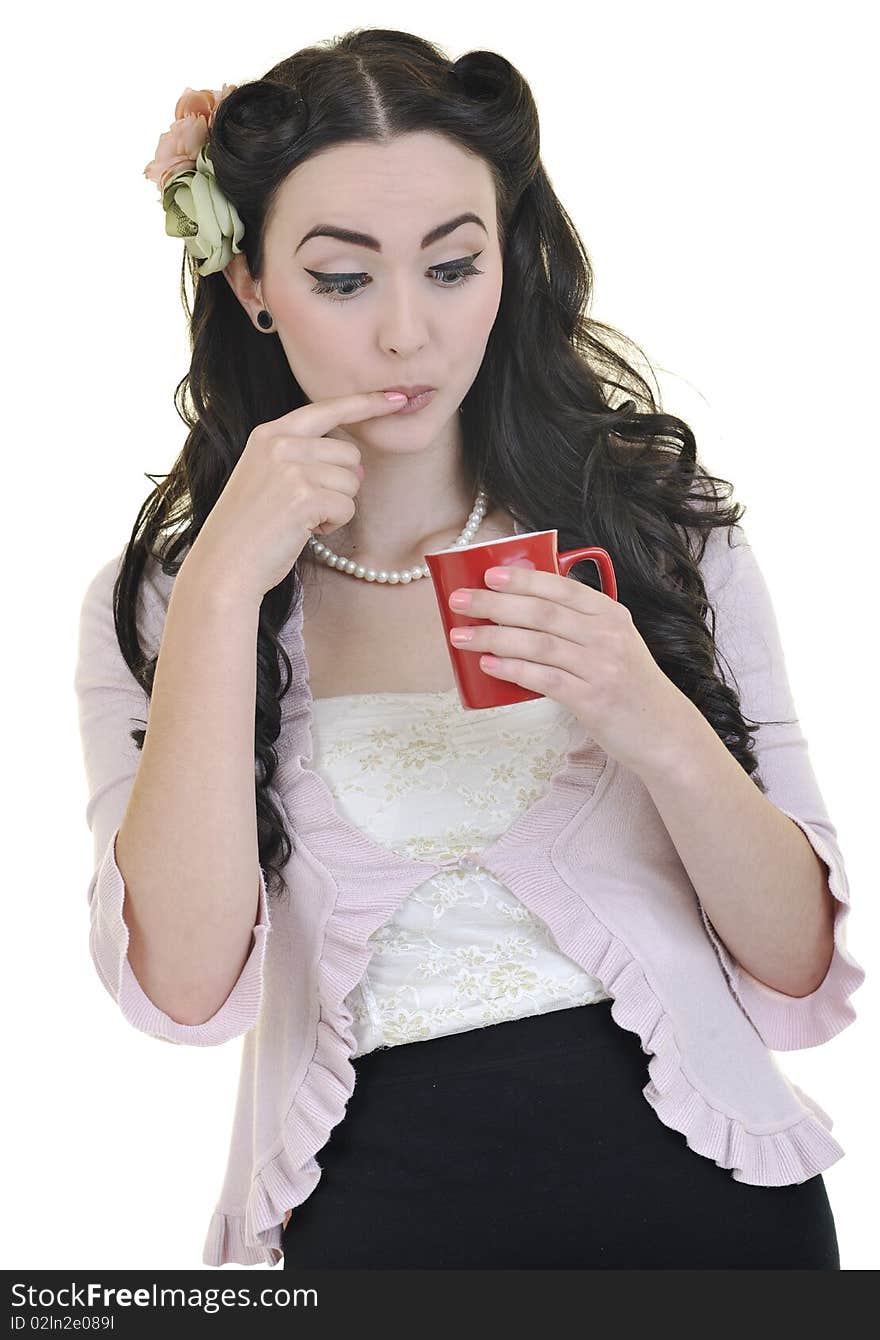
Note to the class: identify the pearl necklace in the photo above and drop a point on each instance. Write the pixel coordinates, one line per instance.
(327, 556)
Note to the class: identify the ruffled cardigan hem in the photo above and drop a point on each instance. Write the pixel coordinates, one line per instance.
(789, 1153)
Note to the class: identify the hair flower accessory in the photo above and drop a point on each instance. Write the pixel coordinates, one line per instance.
(195, 207)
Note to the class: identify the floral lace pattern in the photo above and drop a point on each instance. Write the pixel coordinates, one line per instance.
(427, 778)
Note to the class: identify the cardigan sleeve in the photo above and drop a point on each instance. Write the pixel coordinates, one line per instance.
(748, 644)
(111, 704)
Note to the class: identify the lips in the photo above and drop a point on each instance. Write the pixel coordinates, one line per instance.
(409, 391)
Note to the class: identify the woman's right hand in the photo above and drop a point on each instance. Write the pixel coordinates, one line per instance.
(289, 482)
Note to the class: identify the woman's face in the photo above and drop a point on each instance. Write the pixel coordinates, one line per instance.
(407, 314)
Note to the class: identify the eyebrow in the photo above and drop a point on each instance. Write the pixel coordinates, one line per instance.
(364, 239)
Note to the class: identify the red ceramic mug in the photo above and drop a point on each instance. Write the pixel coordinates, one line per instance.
(464, 565)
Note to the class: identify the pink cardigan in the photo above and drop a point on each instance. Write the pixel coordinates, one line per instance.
(592, 858)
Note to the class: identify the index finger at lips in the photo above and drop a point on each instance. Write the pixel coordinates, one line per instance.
(316, 419)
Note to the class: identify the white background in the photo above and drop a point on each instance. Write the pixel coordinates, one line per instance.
(717, 162)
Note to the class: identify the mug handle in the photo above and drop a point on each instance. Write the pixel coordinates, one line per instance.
(602, 560)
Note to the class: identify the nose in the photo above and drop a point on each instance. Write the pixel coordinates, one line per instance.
(403, 322)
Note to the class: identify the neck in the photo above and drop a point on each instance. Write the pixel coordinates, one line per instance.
(384, 536)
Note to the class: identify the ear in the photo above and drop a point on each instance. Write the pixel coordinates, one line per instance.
(238, 276)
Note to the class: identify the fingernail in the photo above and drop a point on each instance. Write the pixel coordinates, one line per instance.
(394, 395)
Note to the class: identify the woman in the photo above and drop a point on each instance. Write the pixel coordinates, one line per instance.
(448, 1058)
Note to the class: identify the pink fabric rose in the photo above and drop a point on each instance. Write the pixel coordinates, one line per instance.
(179, 147)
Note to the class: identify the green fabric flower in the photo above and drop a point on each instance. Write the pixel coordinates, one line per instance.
(198, 211)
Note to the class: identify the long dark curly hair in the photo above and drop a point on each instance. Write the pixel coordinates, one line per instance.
(625, 478)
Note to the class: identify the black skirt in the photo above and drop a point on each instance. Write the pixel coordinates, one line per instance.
(529, 1144)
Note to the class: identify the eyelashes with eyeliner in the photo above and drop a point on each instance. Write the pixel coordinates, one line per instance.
(461, 270)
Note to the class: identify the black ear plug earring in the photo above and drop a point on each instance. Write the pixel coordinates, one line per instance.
(264, 320)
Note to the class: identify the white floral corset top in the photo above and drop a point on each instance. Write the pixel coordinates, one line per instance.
(426, 777)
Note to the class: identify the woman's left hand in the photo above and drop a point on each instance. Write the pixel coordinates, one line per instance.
(562, 639)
